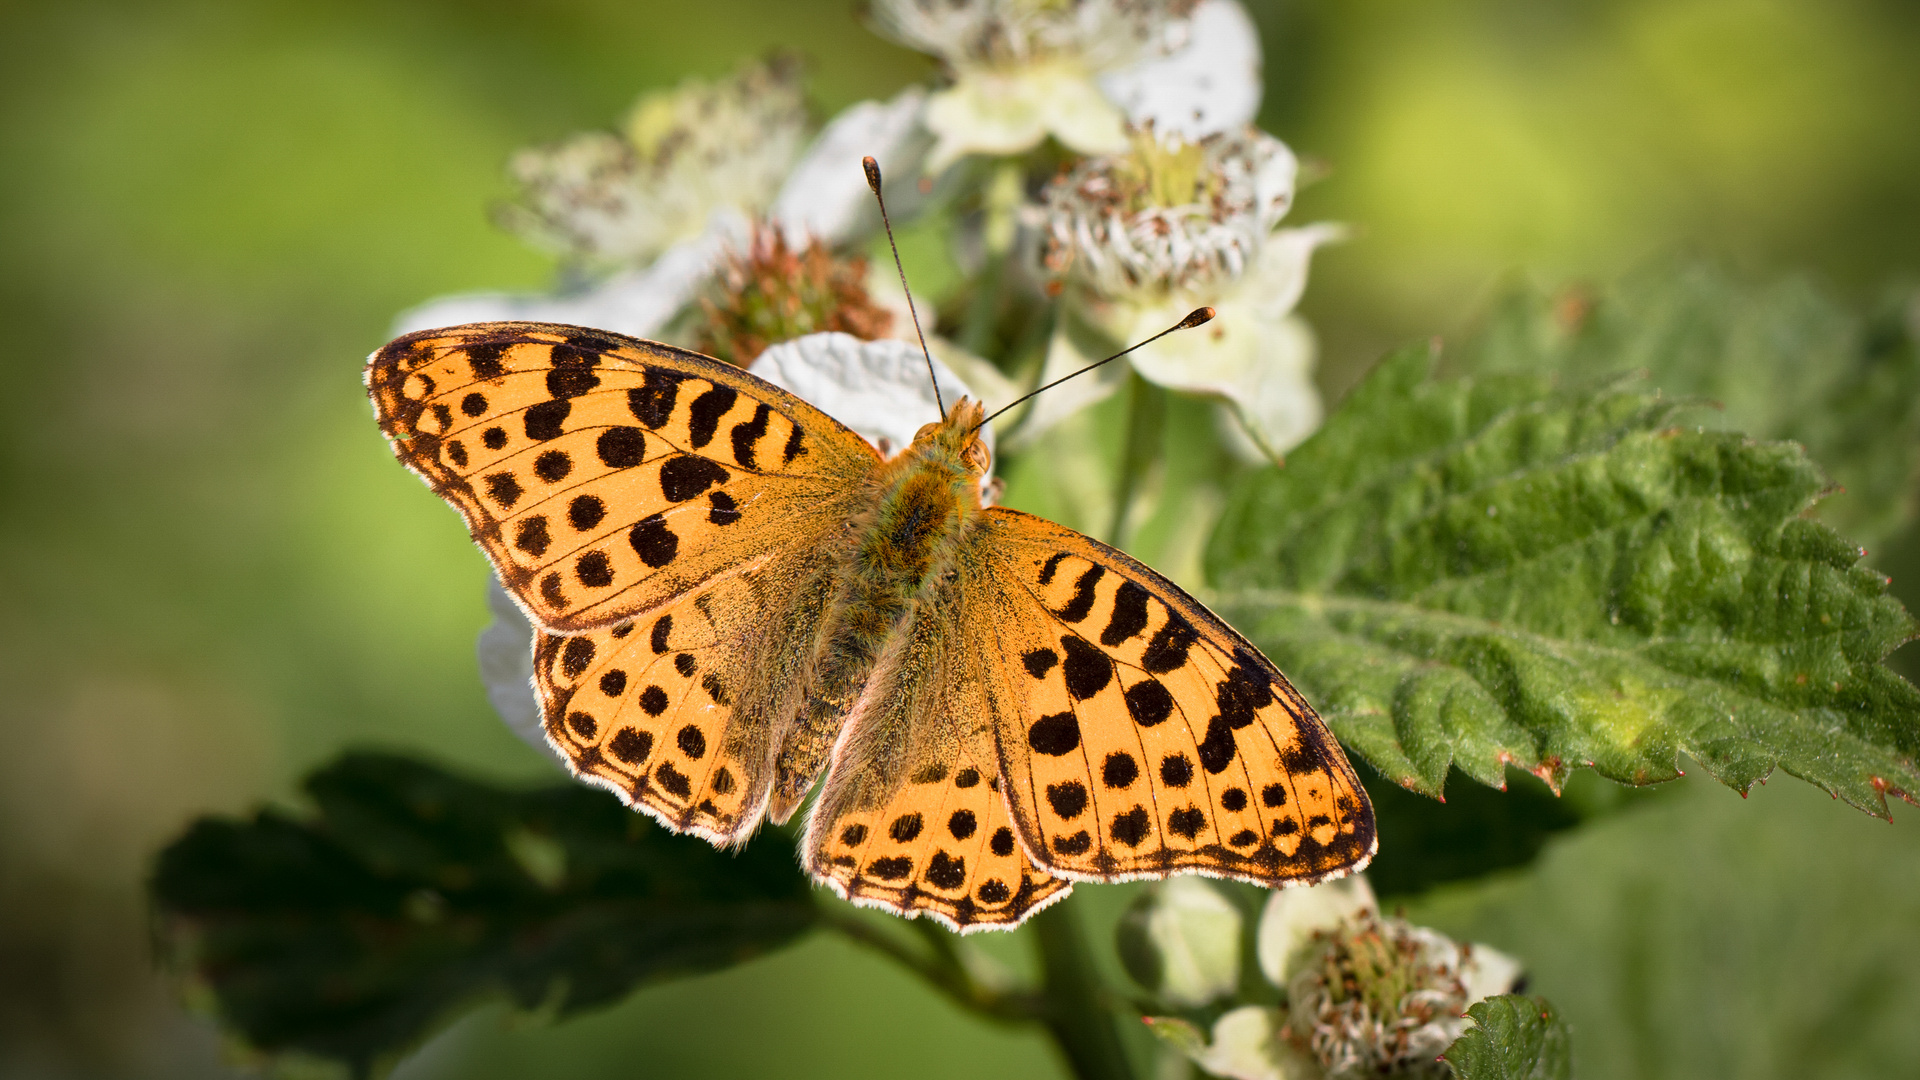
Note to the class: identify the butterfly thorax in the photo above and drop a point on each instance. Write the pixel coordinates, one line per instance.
(924, 503)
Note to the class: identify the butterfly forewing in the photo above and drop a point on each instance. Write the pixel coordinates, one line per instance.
(605, 476)
(1141, 736)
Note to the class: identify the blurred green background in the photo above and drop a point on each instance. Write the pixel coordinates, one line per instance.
(214, 576)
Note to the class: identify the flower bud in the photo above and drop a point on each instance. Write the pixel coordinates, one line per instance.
(1181, 940)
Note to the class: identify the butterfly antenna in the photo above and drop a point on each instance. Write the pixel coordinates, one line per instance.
(872, 168)
(1194, 318)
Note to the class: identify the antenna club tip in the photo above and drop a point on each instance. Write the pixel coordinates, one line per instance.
(1200, 315)
(872, 169)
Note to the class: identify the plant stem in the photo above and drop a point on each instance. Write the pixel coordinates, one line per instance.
(1146, 418)
(1076, 1016)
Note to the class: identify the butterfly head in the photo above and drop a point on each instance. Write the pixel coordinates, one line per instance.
(957, 437)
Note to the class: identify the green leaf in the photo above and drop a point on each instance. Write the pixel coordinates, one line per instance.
(1513, 1038)
(1783, 359)
(414, 892)
(1484, 571)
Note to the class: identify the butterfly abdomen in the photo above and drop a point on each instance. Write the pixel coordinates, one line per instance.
(924, 503)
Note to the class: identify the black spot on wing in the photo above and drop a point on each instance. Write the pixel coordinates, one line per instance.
(530, 535)
(1132, 827)
(1087, 669)
(1186, 822)
(575, 655)
(1081, 603)
(795, 447)
(553, 466)
(570, 382)
(1149, 702)
(946, 872)
(1052, 564)
(653, 541)
(621, 447)
(1167, 650)
(1040, 661)
(474, 404)
(652, 404)
(594, 570)
(747, 433)
(724, 510)
(1119, 770)
(1067, 799)
(686, 476)
(585, 512)
(545, 420)
(1217, 749)
(503, 488)
(703, 416)
(631, 746)
(1077, 844)
(658, 638)
(1129, 615)
(890, 869)
(484, 358)
(1054, 735)
(1176, 771)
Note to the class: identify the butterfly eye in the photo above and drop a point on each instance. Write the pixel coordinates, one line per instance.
(977, 457)
(925, 430)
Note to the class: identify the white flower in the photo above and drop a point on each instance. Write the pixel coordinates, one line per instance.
(824, 196)
(1366, 995)
(607, 199)
(880, 389)
(1142, 238)
(1078, 70)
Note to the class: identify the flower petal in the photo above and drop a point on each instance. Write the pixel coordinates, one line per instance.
(1247, 1046)
(639, 303)
(1292, 916)
(1487, 972)
(878, 388)
(1008, 111)
(505, 650)
(826, 194)
(1210, 84)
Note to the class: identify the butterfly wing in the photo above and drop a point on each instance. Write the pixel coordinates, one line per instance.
(677, 712)
(912, 815)
(1139, 735)
(606, 476)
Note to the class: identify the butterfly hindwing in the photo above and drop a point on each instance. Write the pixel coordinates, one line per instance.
(912, 815)
(604, 475)
(676, 711)
(1141, 736)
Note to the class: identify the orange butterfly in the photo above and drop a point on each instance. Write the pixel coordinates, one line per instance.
(736, 593)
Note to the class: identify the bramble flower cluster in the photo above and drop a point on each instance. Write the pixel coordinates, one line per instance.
(1365, 995)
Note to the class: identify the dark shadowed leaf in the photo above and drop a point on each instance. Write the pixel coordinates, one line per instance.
(413, 892)
(1485, 571)
(1512, 1038)
(1783, 359)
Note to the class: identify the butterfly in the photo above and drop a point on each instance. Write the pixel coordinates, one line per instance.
(735, 594)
